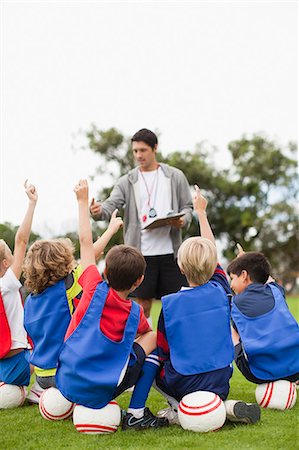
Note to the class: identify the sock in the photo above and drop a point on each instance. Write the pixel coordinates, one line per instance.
(137, 412)
(229, 406)
(144, 384)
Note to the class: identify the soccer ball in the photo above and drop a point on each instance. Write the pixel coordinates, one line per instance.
(201, 411)
(11, 396)
(279, 394)
(54, 406)
(97, 421)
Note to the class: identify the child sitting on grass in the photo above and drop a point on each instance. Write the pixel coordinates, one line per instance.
(14, 367)
(194, 337)
(101, 356)
(51, 275)
(265, 334)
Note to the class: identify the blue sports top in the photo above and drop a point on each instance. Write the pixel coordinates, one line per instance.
(46, 318)
(90, 363)
(270, 340)
(197, 323)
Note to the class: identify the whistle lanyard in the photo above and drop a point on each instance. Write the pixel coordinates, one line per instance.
(151, 210)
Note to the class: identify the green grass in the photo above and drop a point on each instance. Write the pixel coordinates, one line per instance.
(24, 428)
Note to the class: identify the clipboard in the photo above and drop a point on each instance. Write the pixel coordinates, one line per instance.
(162, 221)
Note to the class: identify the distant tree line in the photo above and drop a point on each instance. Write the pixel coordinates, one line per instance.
(252, 200)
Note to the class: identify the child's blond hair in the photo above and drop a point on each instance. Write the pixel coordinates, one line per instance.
(197, 258)
(2, 250)
(47, 262)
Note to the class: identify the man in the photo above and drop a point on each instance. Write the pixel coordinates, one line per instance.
(149, 191)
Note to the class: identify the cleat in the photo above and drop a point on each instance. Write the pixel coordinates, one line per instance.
(35, 392)
(148, 421)
(171, 414)
(247, 412)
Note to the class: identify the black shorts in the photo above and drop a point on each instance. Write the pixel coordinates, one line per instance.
(242, 364)
(162, 277)
(133, 371)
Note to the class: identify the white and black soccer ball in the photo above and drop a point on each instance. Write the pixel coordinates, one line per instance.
(97, 421)
(201, 411)
(279, 394)
(54, 406)
(11, 396)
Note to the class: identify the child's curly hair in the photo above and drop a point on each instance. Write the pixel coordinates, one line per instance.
(47, 262)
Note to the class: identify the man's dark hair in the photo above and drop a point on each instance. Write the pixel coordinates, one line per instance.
(147, 136)
(124, 265)
(256, 265)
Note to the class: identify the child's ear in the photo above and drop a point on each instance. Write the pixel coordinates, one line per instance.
(138, 282)
(245, 276)
(181, 270)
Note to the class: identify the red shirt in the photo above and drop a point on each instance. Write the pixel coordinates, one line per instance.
(115, 312)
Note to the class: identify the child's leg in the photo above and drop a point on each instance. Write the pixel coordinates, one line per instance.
(235, 336)
(242, 364)
(137, 416)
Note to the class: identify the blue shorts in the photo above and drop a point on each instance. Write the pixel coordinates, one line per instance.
(15, 370)
(177, 385)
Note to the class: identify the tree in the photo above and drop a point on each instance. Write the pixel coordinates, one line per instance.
(8, 232)
(252, 202)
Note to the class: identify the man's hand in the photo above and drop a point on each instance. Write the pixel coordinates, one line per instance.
(30, 191)
(81, 191)
(115, 222)
(176, 223)
(95, 208)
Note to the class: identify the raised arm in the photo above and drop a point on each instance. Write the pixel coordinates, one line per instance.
(85, 235)
(23, 233)
(114, 225)
(200, 204)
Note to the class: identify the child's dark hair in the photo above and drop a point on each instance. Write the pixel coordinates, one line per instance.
(147, 136)
(124, 265)
(256, 265)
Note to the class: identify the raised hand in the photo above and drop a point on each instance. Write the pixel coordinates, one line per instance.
(30, 191)
(81, 190)
(199, 201)
(115, 222)
(240, 250)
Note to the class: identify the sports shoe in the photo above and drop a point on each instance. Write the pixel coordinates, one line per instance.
(147, 421)
(35, 393)
(246, 412)
(171, 414)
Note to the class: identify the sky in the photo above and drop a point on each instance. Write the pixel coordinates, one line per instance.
(195, 71)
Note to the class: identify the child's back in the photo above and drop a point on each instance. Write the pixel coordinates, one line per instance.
(269, 334)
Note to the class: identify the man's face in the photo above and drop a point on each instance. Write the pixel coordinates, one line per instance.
(144, 155)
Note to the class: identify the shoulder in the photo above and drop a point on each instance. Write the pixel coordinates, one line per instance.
(220, 278)
(171, 170)
(9, 281)
(255, 300)
(278, 286)
(90, 276)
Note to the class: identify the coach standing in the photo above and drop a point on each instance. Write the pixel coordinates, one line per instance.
(150, 190)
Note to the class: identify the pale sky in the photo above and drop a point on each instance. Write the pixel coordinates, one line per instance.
(193, 70)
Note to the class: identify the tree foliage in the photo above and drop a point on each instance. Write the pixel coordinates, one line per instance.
(8, 232)
(251, 201)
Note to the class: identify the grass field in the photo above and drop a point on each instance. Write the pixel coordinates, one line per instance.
(24, 428)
